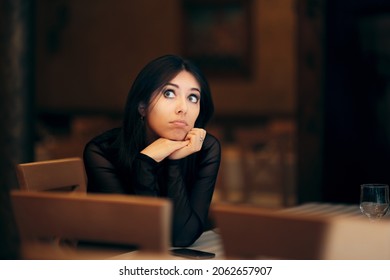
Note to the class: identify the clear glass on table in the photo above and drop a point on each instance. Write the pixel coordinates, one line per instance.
(374, 200)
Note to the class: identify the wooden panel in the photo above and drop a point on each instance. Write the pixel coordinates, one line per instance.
(66, 174)
(119, 219)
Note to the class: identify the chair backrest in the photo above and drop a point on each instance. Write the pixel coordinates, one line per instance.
(254, 233)
(66, 174)
(144, 222)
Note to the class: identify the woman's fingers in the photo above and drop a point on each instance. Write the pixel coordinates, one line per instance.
(161, 148)
(196, 134)
(195, 137)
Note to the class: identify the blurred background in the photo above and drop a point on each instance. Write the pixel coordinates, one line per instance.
(301, 87)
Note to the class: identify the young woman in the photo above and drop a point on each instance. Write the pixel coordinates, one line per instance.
(162, 148)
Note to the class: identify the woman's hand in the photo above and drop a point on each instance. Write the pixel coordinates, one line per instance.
(195, 137)
(162, 148)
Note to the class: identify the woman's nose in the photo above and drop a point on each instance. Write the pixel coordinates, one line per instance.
(181, 106)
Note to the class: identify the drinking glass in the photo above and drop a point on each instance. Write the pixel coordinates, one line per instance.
(374, 200)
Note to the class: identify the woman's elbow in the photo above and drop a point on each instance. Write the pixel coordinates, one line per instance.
(184, 241)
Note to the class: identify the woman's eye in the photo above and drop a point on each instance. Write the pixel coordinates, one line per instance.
(169, 93)
(193, 98)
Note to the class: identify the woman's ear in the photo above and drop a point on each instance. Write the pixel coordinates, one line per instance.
(142, 109)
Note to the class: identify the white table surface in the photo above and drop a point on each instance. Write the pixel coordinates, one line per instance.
(330, 210)
(209, 241)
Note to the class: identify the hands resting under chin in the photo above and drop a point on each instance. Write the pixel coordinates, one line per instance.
(162, 147)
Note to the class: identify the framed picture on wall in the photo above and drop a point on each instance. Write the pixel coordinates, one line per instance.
(217, 36)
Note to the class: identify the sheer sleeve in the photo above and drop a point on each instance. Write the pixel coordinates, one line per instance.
(145, 176)
(106, 177)
(191, 205)
(102, 175)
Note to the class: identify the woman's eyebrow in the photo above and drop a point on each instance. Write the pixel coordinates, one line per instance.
(196, 89)
(171, 84)
(176, 86)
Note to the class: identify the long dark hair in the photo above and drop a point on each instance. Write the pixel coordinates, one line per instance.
(153, 77)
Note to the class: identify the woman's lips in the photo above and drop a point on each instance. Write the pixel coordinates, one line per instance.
(179, 123)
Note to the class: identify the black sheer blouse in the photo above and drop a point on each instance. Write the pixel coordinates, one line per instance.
(188, 182)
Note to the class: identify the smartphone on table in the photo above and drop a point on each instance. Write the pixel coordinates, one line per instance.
(192, 253)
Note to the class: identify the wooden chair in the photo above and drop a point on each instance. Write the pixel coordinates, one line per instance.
(66, 174)
(144, 222)
(248, 232)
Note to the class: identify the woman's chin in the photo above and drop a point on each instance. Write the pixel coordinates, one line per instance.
(177, 137)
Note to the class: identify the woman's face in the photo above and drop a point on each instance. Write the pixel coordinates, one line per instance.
(174, 109)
